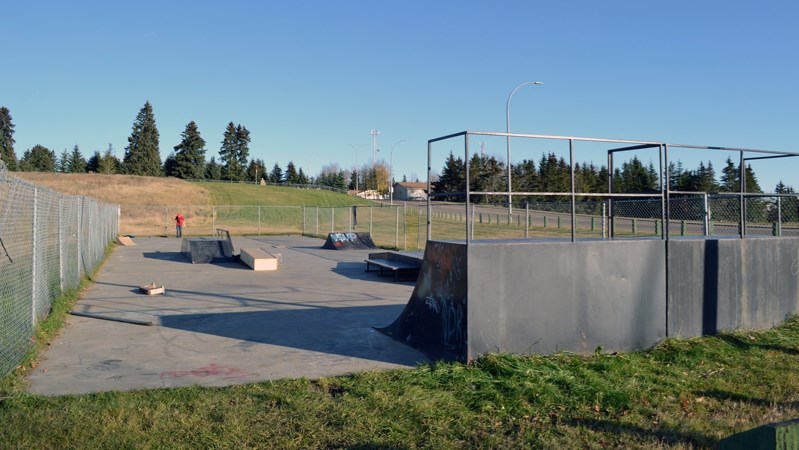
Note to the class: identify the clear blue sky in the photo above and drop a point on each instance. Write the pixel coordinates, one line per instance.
(310, 79)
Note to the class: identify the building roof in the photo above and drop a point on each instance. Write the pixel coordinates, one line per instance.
(408, 185)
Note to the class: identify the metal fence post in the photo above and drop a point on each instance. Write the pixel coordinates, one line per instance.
(705, 215)
(34, 260)
(303, 220)
(371, 208)
(317, 221)
(213, 220)
(404, 226)
(526, 220)
(61, 240)
(259, 220)
(418, 225)
(604, 220)
(332, 219)
(779, 217)
(165, 231)
(396, 229)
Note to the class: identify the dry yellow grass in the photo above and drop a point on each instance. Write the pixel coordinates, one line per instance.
(126, 190)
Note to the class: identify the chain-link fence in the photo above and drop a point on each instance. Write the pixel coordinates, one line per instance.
(398, 226)
(47, 242)
(694, 214)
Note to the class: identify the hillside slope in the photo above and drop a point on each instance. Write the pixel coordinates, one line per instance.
(131, 190)
(123, 189)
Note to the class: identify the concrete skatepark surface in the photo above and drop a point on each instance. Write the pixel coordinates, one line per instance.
(221, 324)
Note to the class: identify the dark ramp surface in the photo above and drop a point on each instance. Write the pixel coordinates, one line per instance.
(203, 250)
(434, 320)
(349, 241)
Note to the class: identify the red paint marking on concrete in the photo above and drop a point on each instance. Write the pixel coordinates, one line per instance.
(211, 370)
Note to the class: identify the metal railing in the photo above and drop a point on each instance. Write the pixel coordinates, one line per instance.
(47, 242)
(625, 213)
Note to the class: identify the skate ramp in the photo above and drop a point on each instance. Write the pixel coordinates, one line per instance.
(434, 320)
(203, 250)
(349, 241)
(535, 297)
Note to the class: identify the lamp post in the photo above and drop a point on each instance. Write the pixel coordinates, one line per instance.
(507, 130)
(391, 172)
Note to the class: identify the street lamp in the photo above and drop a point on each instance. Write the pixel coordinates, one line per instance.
(507, 130)
(390, 172)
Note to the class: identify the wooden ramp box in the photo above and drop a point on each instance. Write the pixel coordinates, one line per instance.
(258, 259)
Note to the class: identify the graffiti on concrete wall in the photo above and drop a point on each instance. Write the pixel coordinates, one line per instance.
(434, 319)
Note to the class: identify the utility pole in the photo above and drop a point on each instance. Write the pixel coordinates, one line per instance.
(374, 134)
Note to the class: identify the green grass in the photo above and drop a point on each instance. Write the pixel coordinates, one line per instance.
(681, 394)
(251, 194)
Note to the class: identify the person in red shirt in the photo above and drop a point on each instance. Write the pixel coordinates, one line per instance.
(179, 222)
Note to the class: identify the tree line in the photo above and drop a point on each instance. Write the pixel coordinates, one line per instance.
(187, 160)
(553, 174)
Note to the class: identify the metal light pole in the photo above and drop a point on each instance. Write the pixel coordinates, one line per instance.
(374, 133)
(391, 172)
(507, 130)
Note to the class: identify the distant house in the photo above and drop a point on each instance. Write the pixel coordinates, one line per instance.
(371, 194)
(410, 191)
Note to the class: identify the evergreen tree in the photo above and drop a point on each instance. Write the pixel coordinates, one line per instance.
(256, 170)
(235, 152)
(93, 164)
(789, 206)
(554, 174)
(276, 175)
(301, 177)
(62, 162)
(213, 170)
(635, 178)
(7, 154)
(243, 145)
(109, 163)
(452, 179)
(171, 165)
(190, 154)
(354, 181)
(751, 180)
(730, 177)
(38, 159)
(142, 155)
(291, 173)
(76, 162)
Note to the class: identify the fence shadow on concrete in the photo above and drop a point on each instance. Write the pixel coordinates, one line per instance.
(324, 330)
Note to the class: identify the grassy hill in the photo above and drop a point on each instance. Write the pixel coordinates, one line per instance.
(251, 194)
(130, 190)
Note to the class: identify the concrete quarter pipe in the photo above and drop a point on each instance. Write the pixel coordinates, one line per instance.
(434, 320)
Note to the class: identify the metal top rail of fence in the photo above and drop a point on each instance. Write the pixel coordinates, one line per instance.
(668, 199)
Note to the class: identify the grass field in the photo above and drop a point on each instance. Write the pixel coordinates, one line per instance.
(681, 394)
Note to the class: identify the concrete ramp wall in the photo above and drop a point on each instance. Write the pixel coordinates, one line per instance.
(545, 297)
(727, 284)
